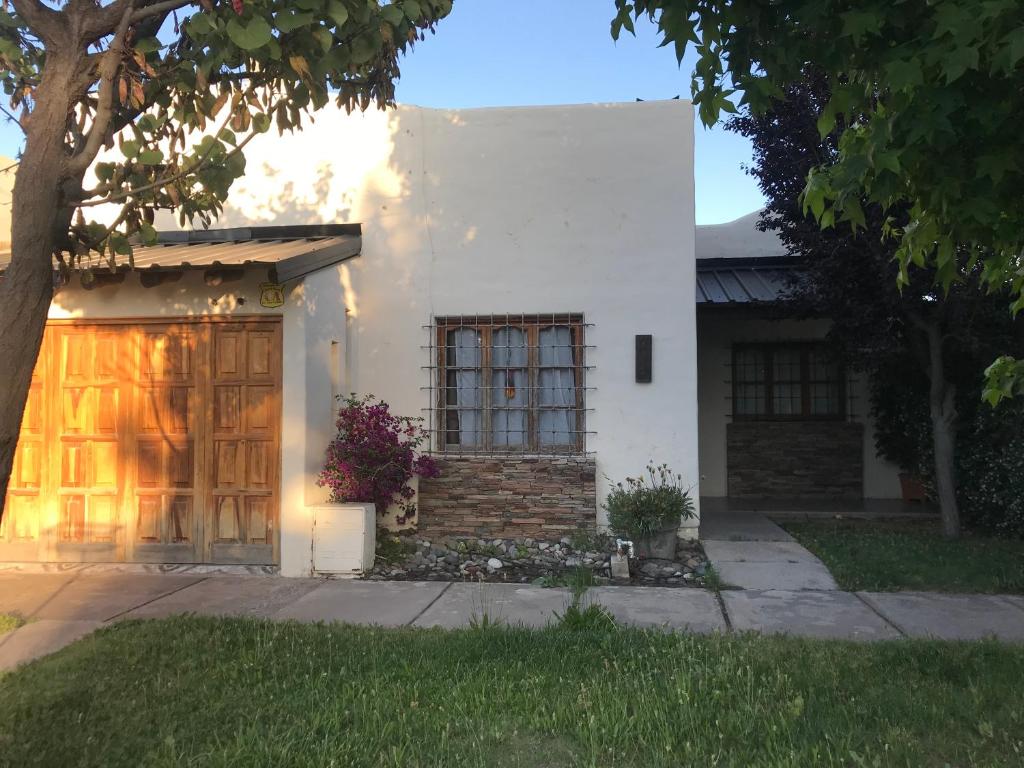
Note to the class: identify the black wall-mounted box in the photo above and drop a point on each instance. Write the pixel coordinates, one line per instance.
(644, 354)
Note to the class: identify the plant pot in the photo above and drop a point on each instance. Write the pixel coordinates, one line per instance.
(660, 545)
(912, 488)
(344, 537)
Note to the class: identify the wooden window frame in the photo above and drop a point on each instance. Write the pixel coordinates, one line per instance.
(485, 325)
(768, 349)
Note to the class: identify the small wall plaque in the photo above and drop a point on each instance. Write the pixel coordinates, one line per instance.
(644, 354)
(271, 295)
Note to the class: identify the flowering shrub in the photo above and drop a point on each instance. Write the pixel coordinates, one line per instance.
(374, 456)
(643, 506)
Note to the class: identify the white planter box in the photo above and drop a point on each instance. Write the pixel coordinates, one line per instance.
(344, 538)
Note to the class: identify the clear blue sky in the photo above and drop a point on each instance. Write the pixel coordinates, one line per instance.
(495, 52)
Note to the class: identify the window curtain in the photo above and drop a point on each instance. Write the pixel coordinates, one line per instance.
(463, 387)
(510, 393)
(557, 394)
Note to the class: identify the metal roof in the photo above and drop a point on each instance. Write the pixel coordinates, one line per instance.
(292, 251)
(742, 281)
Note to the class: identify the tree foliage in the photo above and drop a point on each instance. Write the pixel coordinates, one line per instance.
(133, 106)
(928, 94)
(883, 330)
(180, 87)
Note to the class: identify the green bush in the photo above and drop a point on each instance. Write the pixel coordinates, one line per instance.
(989, 445)
(642, 506)
(990, 470)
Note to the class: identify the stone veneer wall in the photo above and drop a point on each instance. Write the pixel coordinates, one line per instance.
(504, 497)
(795, 459)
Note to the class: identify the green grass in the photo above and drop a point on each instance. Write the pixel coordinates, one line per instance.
(883, 556)
(9, 622)
(242, 692)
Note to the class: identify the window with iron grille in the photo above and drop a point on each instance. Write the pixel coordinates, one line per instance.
(791, 381)
(510, 384)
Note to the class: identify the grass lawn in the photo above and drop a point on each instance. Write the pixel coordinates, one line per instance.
(240, 692)
(9, 622)
(881, 556)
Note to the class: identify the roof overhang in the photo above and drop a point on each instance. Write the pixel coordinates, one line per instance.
(725, 282)
(288, 252)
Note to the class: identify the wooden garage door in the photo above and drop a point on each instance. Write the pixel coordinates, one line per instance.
(150, 442)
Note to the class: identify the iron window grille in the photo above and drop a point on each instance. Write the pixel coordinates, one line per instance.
(508, 384)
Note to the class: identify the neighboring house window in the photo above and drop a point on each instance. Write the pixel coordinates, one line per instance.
(787, 381)
(511, 384)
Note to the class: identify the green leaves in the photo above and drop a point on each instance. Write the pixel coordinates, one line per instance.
(202, 97)
(151, 156)
(337, 12)
(858, 24)
(286, 21)
(249, 35)
(925, 102)
(1003, 379)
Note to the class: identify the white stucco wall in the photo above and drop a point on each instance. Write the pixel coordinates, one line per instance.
(554, 209)
(583, 208)
(717, 331)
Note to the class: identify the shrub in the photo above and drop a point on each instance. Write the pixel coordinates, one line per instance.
(644, 505)
(374, 456)
(990, 470)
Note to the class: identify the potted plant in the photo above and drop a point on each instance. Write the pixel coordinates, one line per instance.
(648, 510)
(368, 468)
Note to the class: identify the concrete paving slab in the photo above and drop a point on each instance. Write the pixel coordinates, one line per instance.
(385, 603)
(39, 638)
(692, 610)
(831, 615)
(950, 617)
(509, 604)
(24, 594)
(740, 526)
(230, 596)
(758, 552)
(100, 598)
(782, 576)
(1017, 600)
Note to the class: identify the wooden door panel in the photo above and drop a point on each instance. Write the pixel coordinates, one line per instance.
(246, 417)
(227, 409)
(181, 523)
(152, 442)
(103, 462)
(89, 438)
(166, 431)
(229, 465)
(260, 455)
(21, 526)
(149, 519)
(260, 354)
(227, 354)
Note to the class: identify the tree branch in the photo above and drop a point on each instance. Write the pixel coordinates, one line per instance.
(12, 117)
(44, 22)
(105, 98)
(166, 6)
(103, 21)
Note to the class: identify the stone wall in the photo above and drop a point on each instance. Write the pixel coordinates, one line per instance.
(543, 497)
(795, 459)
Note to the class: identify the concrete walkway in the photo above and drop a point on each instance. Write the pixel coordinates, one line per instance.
(750, 551)
(63, 607)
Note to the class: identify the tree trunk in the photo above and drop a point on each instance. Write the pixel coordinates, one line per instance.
(37, 215)
(942, 404)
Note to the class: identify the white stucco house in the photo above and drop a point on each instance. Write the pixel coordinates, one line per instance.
(522, 278)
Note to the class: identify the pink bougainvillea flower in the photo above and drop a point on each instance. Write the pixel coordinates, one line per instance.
(375, 455)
